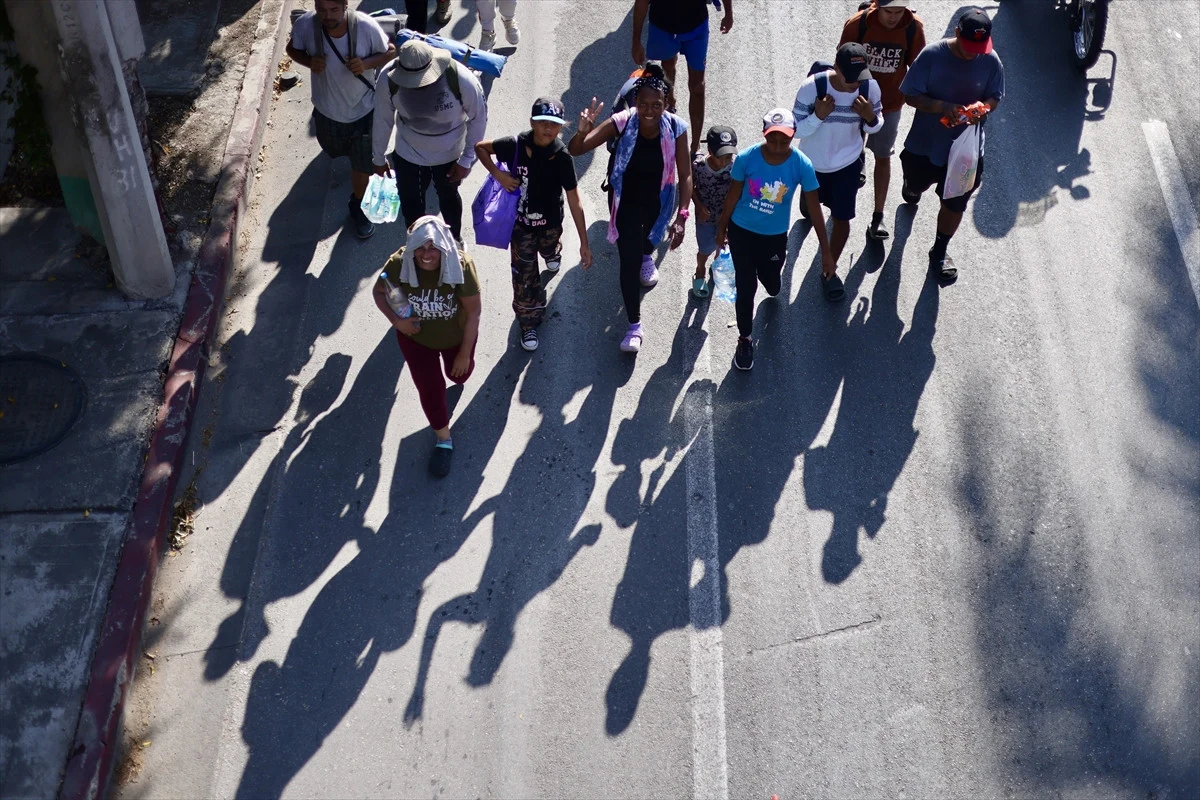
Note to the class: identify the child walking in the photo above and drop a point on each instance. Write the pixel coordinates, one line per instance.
(711, 179)
(544, 171)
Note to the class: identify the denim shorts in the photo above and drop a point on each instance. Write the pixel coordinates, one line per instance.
(706, 237)
(663, 46)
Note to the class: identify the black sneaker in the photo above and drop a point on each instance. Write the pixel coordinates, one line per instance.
(441, 14)
(743, 357)
(943, 269)
(363, 228)
(529, 340)
(439, 461)
(912, 198)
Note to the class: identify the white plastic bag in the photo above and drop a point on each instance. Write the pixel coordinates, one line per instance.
(962, 164)
(381, 201)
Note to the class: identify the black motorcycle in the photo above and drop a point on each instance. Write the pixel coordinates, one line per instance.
(1089, 21)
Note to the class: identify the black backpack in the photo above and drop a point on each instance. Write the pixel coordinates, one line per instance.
(819, 68)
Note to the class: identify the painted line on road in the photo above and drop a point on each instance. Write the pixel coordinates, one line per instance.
(1179, 203)
(710, 771)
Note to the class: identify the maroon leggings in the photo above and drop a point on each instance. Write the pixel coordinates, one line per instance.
(427, 375)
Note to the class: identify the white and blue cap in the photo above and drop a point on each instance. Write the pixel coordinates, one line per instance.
(547, 109)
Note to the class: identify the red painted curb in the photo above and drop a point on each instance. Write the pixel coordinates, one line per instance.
(97, 737)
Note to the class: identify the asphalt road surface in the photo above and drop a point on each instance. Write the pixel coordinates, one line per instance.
(937, 543)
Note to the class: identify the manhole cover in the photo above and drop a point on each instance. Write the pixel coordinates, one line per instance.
(40, 399)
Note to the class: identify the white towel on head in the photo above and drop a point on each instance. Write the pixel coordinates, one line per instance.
(425, 229)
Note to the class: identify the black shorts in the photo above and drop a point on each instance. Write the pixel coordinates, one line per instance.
(920, 173)
(351, 139)
(839, 190)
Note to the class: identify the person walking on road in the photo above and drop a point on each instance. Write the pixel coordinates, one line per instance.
(429, 292)
(487, 21)
(439, 113)
(893, 35)
(757, 214)
(833, 110)
(946, 77)
(710, 180)
(651, 178)
(678, 26)
(544, 171)
(417, 12)
(343, 49)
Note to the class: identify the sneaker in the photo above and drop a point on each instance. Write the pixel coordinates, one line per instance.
(633, 339)
(511, 32)
(442, 14)
(878, 230)
(910, 197)
(363, 227)
(487, 40)
(529, 340)
(554, 264)
(649, 272)
(439, 460)
(743, 357)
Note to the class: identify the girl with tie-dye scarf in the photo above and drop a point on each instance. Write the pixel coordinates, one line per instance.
(651, 178)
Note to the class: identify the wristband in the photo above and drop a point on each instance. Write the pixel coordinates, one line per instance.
(684, 213)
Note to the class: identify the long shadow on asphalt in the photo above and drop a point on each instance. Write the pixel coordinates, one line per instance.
(369, 606)
(539, 524)
(762, 421)
(262, 364)
(593, 75)
(1033, 156)
(885, 369)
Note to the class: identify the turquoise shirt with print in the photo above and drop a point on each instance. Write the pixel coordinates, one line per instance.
(766, 203)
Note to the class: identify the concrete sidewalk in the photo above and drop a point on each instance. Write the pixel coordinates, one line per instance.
(84, 515)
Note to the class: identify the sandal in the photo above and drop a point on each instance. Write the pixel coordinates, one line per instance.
(700, 288)
(835, 290)
(944, 270)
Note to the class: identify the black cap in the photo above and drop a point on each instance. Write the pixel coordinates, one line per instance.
(547, 109)
(975, 32)
(851, 62)
(722, 140)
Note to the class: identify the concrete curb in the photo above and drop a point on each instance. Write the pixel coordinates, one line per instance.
(97, 742)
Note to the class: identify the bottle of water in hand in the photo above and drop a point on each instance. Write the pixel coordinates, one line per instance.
(724, 280)
(397, 299)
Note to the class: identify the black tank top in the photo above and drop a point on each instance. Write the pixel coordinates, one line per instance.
(643, 175)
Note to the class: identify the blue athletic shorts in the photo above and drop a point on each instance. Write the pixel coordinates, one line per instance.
(663, 46)
(839, 190)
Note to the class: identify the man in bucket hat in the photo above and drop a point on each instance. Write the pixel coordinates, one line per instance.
(438, 110)
(945, 78)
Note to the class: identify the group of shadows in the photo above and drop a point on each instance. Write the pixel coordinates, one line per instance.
(312, 500)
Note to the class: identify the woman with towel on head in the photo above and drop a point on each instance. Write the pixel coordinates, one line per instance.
(429, 292)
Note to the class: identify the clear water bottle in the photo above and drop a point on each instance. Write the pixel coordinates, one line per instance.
(397, 299)
(392, 200)
(723, 276)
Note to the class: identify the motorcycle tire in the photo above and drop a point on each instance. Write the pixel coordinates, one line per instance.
(1087, 32)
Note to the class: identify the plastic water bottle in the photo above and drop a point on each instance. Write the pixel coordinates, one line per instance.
(396, 297)
(723, 276)
(392, 200)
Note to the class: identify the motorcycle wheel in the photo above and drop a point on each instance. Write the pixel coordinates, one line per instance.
(1087, 32)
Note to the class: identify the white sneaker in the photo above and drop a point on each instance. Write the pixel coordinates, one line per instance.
(511, 31)
(487, 40)
(529, 340)
(554, 264)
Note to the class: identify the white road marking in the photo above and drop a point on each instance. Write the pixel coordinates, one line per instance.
(710, 772)
(1179, 203)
